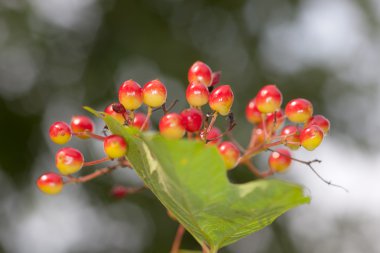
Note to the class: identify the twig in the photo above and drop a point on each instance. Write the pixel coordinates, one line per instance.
(309, 164)
(178, 239)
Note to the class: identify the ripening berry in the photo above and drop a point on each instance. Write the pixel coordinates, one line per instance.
(214, 136)
(115, 146)
(139, 120)
(221, 99)
(200, 72)
(82, 124)
(253, 114)
(275, 120)
(269, 99)
(50, 183)
(230, 154)
(172, 126)
(321, 121)
(197, 94)
(299, 110)
(118, 116)
(291, 137)
(192, 119)
(60, 132)
(280, 160)
(130, 95)
(69, 160)
(311, 137)
(154, 93)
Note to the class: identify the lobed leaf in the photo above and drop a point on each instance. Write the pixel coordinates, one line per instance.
(189, 178)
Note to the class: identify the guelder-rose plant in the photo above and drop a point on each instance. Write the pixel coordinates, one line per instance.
(185, 163)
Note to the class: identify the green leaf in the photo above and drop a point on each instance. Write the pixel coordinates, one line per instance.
(190, 180)
(189, 251)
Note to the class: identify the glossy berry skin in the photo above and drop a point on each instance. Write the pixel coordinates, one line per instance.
(139, 120)
(192, 119)
(172, 126)
(115, 146)
(230, 154)
(118, 116)
(299, 110)
(311, 137)
(214, 136)
(293, 137)
(69, 160)
(275, 119)
(269, 99)
(154, 93)
(280, 160)
(60, 132)
(82, 124)
(321, 121)
(252, 113)
(197, 94)
(50, 183)
(221, 99)
(200, 72)
(130, 95)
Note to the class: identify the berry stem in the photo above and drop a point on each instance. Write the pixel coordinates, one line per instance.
(263, 120)
(213, 120)
(178, 239)
(149, 113)
(102, 160)
(91, 176)
(90, 134)
(256, 172)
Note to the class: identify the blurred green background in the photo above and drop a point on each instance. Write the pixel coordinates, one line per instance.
(58, 55)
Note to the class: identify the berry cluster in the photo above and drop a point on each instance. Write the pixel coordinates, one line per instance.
(263, 111)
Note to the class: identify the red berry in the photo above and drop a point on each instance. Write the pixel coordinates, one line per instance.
(201, 73)
(60, 132)
(230, 154)
(193, 119)
(82, 124)
(311, 137)
(215, 78)
(69, 160)
(252, 114)
(275, 120)
(269, 99)
(139, 120)
(321, 121)
(130, 95)
(119, 191)
(154, 93)
(214, 136)
(50, 183)
(116, 115)
(197, 94)
(299, 110)
(221, 99)
(172, 126)
(291, 137)
(115, 146)
(280, 160)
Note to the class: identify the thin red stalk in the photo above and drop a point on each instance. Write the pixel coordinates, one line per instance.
(149, 113)
(178, 239)
(91, 176)
(102, 160)
(90, 134)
